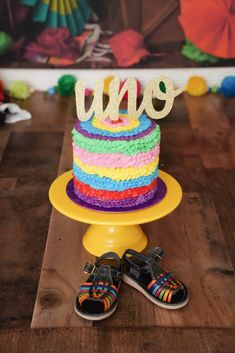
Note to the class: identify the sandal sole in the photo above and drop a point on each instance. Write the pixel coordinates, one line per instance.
(135, 285)
(93, 317)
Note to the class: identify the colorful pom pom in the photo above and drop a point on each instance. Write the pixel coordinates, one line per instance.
(51, 91)
(196, 86)
(214, 89)
(1, 91)
(19, 90)
(66, 85)
(107, 81)
(5, 42)
(228, 86)
(88, 92)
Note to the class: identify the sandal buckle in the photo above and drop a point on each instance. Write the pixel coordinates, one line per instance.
(157, 255)
(89, 268)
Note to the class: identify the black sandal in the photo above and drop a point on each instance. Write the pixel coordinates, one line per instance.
(97, 298)
(145, 274)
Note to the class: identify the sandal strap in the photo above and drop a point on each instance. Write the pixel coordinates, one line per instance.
(156, 254)
(91, 269)
(164, 286)
(150, 263)
(137, 255)
(102, 272)
(100, 291)
(109, 255)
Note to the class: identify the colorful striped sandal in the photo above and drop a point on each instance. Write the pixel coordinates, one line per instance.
(145, 274)
(98, 297)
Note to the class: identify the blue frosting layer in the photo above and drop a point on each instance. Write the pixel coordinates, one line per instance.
(145, 123)
(105, 183)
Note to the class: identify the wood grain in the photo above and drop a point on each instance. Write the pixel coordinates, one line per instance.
(49, 113)
(26, 170)
(8, 183)
(209, 282)
(96, 340)
(213, 132)
(134, 9)
(197, 253)
(124, 12)
(4, 137)
(178, 116)
(159, 17)
(63, 261)
(227, 106)
(179, 148)
(61, 275)
(197, 148)
(222, 188)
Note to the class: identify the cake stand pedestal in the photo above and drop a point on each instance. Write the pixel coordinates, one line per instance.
(114, 231)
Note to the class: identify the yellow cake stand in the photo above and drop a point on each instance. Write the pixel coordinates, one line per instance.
(114, 231)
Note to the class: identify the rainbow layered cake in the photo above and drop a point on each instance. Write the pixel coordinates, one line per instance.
(115, 163)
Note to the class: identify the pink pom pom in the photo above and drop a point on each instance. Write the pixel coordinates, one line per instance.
(87, 92)
(138, 89)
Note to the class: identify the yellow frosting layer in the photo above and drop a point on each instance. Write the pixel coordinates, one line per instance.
(119, 173)
(133, 123)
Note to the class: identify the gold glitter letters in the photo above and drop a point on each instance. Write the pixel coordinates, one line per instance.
(152, 90)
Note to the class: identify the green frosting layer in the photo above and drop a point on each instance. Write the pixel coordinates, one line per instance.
(130, 147)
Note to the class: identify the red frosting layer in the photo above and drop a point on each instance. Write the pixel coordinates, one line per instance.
(112, 195)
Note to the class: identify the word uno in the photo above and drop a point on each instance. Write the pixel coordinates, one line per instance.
(151, 91)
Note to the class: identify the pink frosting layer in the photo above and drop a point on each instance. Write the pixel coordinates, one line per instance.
(123, 122)
(116, 160)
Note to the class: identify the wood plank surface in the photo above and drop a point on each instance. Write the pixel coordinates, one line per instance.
(61, 275)
(4, 137)
(24, 216)
(63, 262)
(30, 152)
(213, 131)
(209, 282)
(196, 148)
(49, 113)
(197, 253)
(113, 340)
(221, 186)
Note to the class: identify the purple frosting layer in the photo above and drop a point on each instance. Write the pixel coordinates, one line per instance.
(118, 203)
(101, 137)
(157, 197)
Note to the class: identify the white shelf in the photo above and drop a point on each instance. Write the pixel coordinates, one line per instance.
(42, 79)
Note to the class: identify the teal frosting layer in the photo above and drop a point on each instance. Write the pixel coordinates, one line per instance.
(105, 183)
(145, 123)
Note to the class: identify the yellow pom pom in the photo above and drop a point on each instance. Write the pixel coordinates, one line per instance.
(107, 81)
(196, 86)
(19, 90)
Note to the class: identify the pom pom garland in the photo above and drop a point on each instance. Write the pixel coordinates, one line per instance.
(196, 86)
(19, 90)
(66, 85)
(228, 86)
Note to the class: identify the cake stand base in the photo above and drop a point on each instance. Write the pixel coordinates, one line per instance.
(103, 238)
(110, 231)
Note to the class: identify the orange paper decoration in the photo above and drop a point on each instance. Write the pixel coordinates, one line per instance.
(210, 25)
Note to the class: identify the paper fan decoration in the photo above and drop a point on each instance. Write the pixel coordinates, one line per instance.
(210, 25)
(72, 14)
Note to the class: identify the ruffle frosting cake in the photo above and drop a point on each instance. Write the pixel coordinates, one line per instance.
(115, 163)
